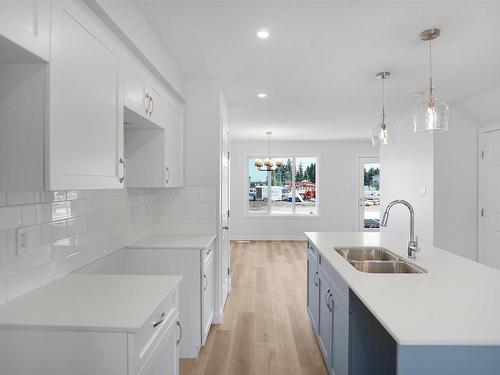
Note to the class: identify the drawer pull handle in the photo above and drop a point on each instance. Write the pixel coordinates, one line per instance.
(206, 282)
(315, 278)
(180, 332)
(156, 323)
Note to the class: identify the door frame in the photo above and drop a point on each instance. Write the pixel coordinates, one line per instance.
(480, 174)
(360, 177)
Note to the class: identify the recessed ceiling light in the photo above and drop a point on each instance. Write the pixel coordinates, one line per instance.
(262, 95)
(263, 33)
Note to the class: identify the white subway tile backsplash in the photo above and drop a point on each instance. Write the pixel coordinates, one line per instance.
(10, 217)
(35, 256)
(64, 230)
(63, 210)
(23, 283)
(4, 242)
(29, 215)
(83, 207)
(20, 198)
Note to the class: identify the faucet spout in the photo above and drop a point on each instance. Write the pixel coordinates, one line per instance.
(413, 241)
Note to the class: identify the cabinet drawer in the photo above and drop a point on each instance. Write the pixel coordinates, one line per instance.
(143, 342)
(340, 287)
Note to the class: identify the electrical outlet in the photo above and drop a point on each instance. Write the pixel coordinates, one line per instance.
(22, 240)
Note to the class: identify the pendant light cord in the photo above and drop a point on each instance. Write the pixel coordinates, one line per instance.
(383, 102)
(431, 99)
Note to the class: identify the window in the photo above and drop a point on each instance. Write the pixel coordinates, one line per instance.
(291, 190)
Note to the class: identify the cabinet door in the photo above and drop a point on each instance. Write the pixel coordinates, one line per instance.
(165, 358)
(174, 146)
(340, 339)
(158, 104)
(27, 24)
(86, 103)
(208, 290)
(313, 291)
(325, 319)
(135, 92)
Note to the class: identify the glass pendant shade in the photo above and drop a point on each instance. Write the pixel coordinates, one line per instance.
(431, 117)
(383, 134)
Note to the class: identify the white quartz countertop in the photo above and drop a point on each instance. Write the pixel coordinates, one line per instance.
(173, 241)
(457, 302)
(118, 303)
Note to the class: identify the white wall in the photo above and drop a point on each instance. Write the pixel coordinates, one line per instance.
(406, 170)
(455, 182)
(446, 165)
(338, 189)
(202, 134)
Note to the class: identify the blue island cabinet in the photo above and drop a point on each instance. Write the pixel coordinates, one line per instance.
(327, 308)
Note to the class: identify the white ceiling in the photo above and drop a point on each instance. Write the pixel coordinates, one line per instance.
(318, 66)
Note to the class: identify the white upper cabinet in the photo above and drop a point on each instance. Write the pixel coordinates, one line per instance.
(24, 23)
(135, 91)
(145, 98)
(86, 102)
(154, 157)
(174, 145)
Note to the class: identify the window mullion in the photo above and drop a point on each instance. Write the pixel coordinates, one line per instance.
(269, 193)
(294, 190)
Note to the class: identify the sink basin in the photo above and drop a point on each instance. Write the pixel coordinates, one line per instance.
(376, 260)
(376, 266)
(365, 253)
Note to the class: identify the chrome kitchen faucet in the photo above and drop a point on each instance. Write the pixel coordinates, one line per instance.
(413, 242)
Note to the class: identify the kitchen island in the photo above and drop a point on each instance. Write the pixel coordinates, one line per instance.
(444, 320)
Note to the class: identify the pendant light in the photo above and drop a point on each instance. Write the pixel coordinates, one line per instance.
(383, 134)
(432, 115)
(268, 165)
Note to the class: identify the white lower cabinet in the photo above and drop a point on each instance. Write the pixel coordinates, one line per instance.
(151, 350)
(196, 290)
(208, 296)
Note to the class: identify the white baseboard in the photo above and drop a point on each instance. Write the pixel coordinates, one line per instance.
(268, 237)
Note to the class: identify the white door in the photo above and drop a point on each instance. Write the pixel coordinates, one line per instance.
(225, 218)
(489, 190)
(85, 149)
(368, 194)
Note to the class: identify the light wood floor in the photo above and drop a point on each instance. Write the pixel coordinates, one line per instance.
(266, 328)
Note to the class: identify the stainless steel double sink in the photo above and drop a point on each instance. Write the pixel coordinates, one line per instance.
(376, 260)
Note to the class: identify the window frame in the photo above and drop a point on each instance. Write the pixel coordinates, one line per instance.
(268, 214)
